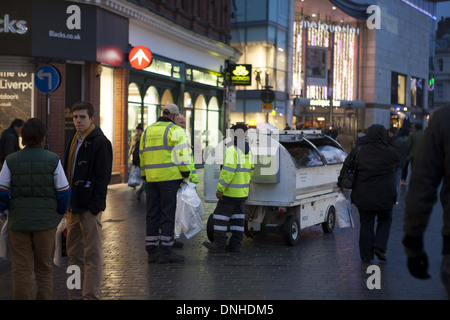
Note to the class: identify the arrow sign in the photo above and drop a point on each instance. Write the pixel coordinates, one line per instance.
(140, 57)
(47, 79)
(41, 75)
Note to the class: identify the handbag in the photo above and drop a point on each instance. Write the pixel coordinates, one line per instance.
(349, 176)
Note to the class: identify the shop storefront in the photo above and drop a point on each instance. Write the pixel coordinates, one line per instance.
(86, 46)
(198, 92)
(404, 109)
(186, 69)
(325, 74)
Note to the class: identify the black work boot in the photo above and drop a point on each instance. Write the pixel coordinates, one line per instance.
(171, 257)
(212, 247)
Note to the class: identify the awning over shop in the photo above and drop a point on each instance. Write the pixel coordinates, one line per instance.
(354, 9)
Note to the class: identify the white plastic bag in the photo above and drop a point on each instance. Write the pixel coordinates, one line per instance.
(134, 179)
(58, 242)
(4, 250)
(344, 211)
(188, 211)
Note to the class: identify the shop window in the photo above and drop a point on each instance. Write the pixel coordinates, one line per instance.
(188, 115)
(134, 108)
(200, 127)
(107, 103)
(417, 92)
(151, 106)
(441, 65)
(398, 89)
(166, 98)
(213, 122)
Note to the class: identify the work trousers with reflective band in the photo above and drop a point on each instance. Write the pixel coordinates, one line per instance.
(32, 251)
(229, 211)
(84, 249)
(161, 206)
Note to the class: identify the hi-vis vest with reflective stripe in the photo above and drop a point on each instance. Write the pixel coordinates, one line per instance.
(163, 152)
(236, 173)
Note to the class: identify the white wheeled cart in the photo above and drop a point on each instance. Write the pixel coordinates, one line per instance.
(294, 182)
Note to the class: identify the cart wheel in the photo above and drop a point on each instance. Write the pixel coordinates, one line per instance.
(291, 230)
(210, 228)
(330, 223)
(248, 233)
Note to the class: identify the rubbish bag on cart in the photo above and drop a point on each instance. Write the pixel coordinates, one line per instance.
(344, 212)
(188, 212)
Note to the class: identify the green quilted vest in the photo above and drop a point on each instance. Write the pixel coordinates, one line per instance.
(32, 206)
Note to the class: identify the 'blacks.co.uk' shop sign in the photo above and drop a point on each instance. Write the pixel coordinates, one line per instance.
(240, 74)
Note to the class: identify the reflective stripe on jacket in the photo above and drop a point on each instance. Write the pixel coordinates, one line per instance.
(163, 152)
(236, 173)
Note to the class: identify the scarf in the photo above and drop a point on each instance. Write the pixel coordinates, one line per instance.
(72, 152)
(70, 161)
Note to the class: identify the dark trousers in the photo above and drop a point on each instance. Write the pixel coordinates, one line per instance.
(161, 206)
(229, 211)
(371, 237)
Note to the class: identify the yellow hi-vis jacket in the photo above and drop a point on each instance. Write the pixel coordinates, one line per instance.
(237, 170)
(163, 152)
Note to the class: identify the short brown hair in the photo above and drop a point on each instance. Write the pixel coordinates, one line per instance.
(33, 133)
(84, 105)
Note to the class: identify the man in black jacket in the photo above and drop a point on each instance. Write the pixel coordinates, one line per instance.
(431, 167)
(9, 141)
(88, 166)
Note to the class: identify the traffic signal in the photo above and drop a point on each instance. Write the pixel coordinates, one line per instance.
(431, 84)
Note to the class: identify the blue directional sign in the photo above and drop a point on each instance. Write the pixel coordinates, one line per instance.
(46, 79)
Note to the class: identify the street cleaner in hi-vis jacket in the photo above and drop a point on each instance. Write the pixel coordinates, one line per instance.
(165, 163)
(232, 191)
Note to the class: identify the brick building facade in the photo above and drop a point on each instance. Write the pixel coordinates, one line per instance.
(88, 44)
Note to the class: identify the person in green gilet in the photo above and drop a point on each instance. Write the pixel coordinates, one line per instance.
(34, 188)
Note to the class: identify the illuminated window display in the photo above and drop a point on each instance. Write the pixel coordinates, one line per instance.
(314, 42)
(325, 55)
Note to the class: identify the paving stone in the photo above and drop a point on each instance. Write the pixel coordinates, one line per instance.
(321, 266)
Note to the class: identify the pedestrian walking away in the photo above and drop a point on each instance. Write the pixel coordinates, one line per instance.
(34, 188)
(431, 170)
(165, 160)
(232, 191)
(134, 153)
(88, 166)
(9, 140)
(345, 140)
(374, 192)
(403, 135)
(401, 147)
(414, 140)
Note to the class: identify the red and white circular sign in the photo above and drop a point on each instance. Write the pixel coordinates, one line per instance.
(140, 57)
(349, 111)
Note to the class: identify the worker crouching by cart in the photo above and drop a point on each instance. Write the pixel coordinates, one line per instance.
(232, 191)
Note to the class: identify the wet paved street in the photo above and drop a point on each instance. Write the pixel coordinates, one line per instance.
(321, 266)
